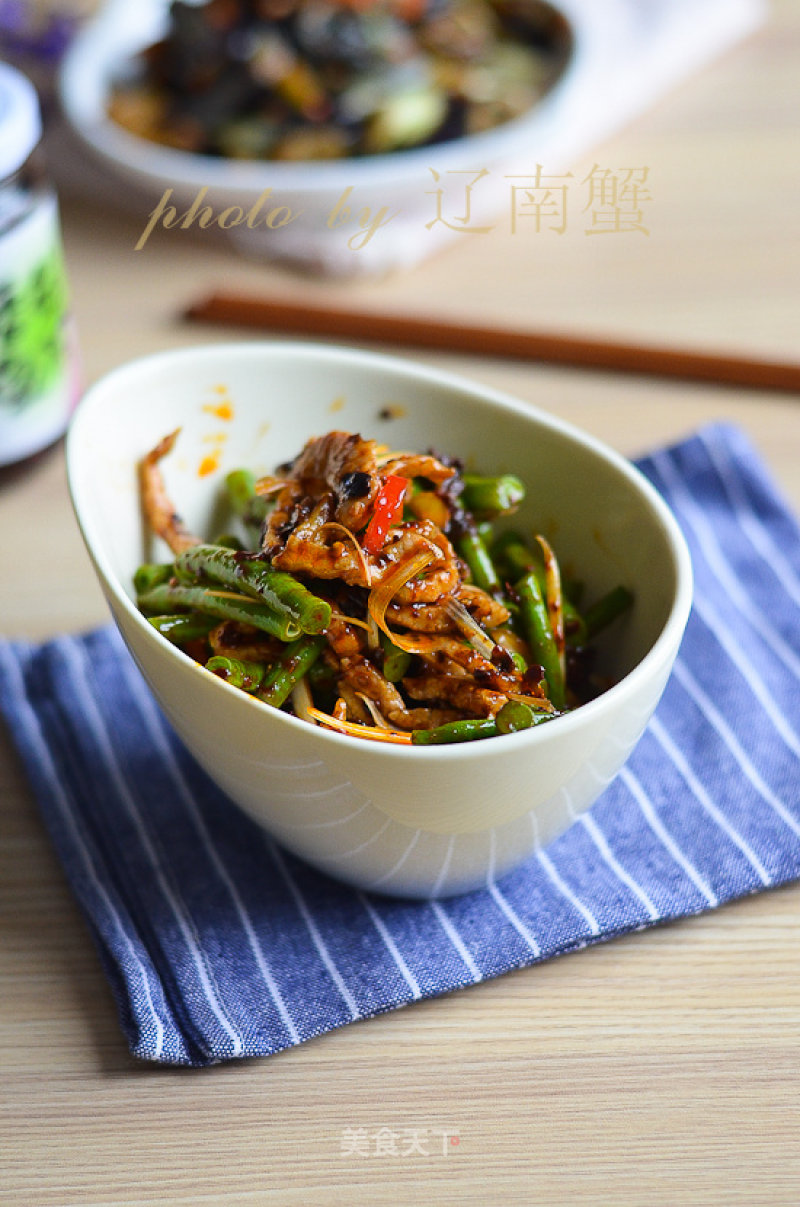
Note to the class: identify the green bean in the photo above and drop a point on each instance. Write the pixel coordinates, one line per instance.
(250, 507)
(454, 731)
(289, 668)
(241, 487)
(281, 592)
(536, 626)
(254, 520)
(182, 627)
(395, 661)
(151, 574)
(513, 722)
(322, 679)
(471, 547)
(492, 496)
(601, 613)
(245, 675)
(514, 716)
(519, 661)
(227, 606)
(323, 684)
(574, 624)
(514, 558)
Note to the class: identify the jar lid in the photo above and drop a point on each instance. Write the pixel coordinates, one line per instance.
(20, 119)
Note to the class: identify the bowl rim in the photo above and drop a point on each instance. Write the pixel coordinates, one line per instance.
(89, 61)
(664, 646)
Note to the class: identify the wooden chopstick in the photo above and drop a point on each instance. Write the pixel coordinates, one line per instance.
(477, 340)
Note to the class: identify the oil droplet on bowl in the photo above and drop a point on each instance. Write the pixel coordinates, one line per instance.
(220, 410)
(209, 463)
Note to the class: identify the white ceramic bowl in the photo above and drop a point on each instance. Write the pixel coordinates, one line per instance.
(403, 185)
(420, 822)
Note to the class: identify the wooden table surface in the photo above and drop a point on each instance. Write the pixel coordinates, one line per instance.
(657, 1069)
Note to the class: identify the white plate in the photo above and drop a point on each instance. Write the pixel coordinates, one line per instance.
(400, 184)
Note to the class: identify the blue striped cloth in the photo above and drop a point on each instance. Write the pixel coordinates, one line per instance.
(218, 944)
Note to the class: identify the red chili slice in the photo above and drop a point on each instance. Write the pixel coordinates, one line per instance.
(388, 505)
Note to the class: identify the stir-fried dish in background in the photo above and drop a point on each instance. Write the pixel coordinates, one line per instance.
(329, 79)
(368, 592)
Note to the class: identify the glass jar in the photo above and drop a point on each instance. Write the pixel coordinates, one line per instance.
(38, 362)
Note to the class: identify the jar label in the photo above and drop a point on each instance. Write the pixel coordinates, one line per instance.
(38, 384)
